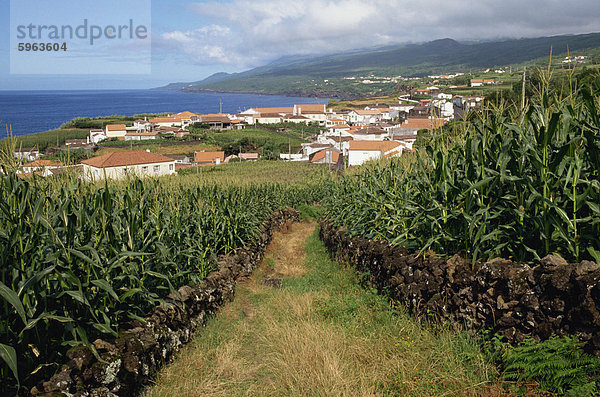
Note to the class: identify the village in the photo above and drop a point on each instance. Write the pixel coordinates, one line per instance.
(348, 137)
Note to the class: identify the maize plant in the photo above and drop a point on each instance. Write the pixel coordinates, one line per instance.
(520, 188)
(78, 260)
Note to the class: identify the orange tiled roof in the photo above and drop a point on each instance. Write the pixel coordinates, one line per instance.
(115, 127)
(311, 108)
(43, 163)
(371, 131)
(185, 115)
(364, 112)
(164, 120)
(125, 158)
(340, 126)
(209, 157)
(422, 124)
(381, 146)
(320, 155)
(289, 109)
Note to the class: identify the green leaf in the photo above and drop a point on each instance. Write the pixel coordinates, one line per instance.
(9, 355)
(11, 297)
(44, 316)
(103, 284)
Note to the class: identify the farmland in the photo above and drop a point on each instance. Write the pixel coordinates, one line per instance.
(521, 185)
(80, 259)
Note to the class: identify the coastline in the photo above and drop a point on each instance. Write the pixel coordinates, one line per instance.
(298, 93)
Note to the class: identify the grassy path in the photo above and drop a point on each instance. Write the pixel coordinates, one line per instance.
(303, 326)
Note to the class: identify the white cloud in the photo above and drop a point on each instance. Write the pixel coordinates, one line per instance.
(252, 32)
(204, 45)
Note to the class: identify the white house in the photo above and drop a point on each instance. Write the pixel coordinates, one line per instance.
(268, 118)
(115, 131)
(97, 136)
(27, 154)
(325, 156)
(370, 134)
(117, 165)
(298, 119)
(363, 151)
(363, 116)
(279, 110)
(41, 166)
(412, 125)
(335, 121)
(141, 136)
(442, 95)
(314, 112)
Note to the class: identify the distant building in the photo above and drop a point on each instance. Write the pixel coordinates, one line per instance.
(209, 158)
(27, 154)
(325, 156)
(413, 125)
(480, 82)
(42, 167)
(363, 151)
(370, 134)
(364, 117)
(97, 136)
(141, 136)
(117, 165)
(116, 131)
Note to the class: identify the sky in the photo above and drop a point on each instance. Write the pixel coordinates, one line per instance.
(191, 40)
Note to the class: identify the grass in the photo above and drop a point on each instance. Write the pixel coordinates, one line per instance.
(320, 334)
(252, 172)
(267, 143)
(46, 139)
(361, 103)
(181, 149)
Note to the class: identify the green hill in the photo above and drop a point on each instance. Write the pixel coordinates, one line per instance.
(305, 75)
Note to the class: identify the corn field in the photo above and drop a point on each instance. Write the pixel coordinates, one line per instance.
(518, 186)
(79, 260)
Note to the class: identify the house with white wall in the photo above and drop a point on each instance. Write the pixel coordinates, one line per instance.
(209, 158)
(97, 136)
(115, 131)
(27, 153)
(43, 167)
(118, 165)
(363, 151)
(370, 133)
(364, 116)
(141, 136)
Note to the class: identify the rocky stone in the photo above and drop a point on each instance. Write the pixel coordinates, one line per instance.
(516, 300)
(129, 361)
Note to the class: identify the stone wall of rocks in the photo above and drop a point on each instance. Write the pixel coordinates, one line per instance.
(517, 300)
(128, 362)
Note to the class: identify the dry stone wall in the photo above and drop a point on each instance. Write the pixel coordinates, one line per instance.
(517, 300)
(126, 363)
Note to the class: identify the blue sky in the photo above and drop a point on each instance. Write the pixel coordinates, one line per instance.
(193, 39)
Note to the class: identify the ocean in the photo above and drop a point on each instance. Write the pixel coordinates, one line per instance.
(29, 112)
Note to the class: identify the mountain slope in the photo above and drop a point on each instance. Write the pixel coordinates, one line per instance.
(293, 75)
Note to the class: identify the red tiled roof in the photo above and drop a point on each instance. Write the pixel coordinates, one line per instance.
(274, 110)
(43, 163)
(125, 158)
(371, 131)
(115, 127)
(415, 123)
(320, 155)
(381, 146)
(209, 157)
(320, 108)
